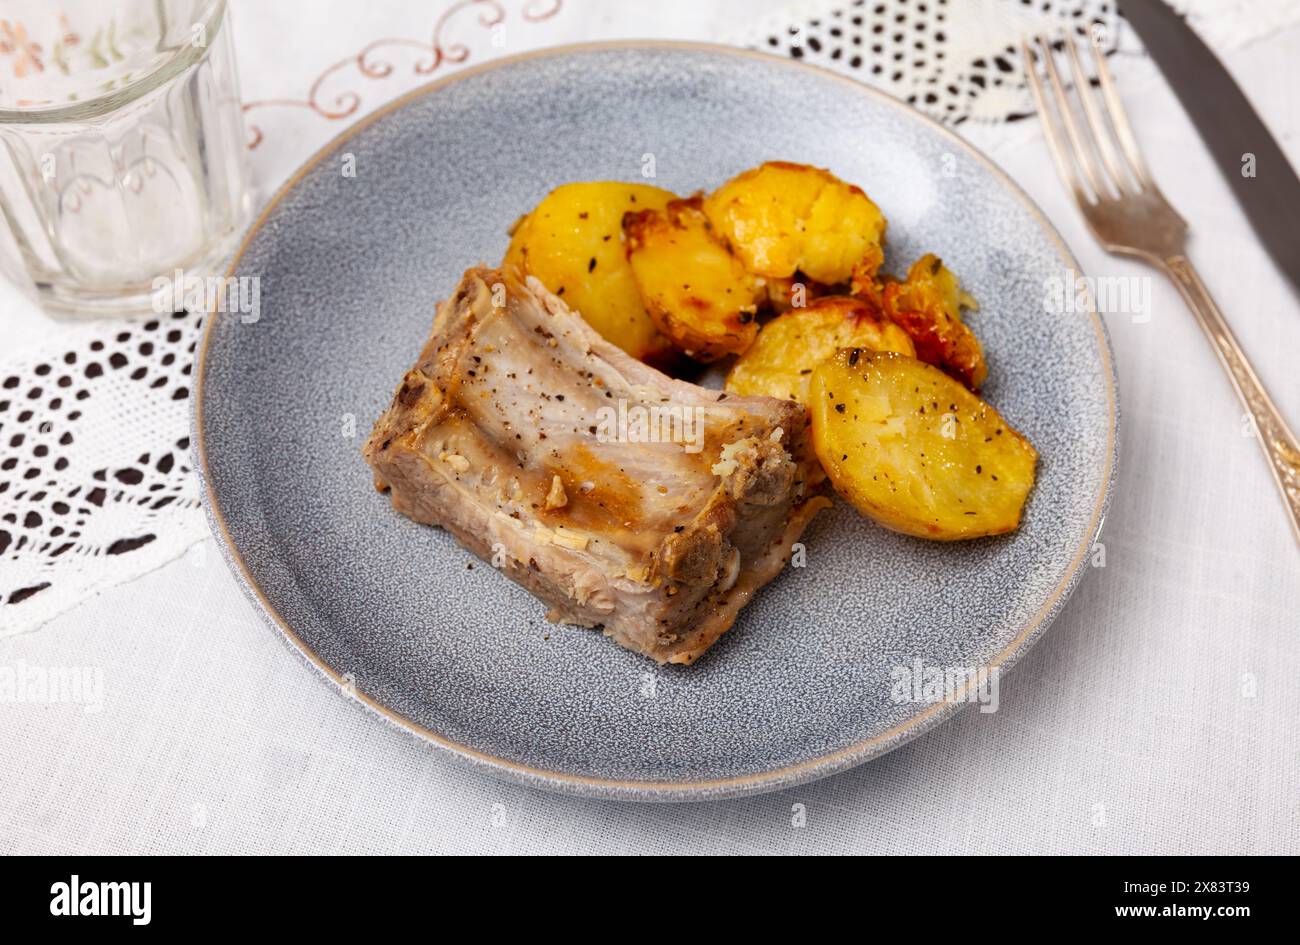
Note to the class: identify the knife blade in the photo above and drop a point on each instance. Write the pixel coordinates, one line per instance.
(1229, 127)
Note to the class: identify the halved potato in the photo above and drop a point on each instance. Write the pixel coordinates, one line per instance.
(916, 451)
(780, 218)
(928, 307)
(573, 242)
(697, 293)
(781, 362)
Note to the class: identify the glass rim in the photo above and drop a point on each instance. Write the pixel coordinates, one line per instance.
(100, 105)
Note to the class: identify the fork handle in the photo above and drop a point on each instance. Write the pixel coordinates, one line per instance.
(1275, 437)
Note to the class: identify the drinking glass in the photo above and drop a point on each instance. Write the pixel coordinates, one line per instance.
(123, 156)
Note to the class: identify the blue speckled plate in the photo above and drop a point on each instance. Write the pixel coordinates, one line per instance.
(350, 267)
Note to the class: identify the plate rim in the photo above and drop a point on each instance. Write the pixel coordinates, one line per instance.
(772, 779)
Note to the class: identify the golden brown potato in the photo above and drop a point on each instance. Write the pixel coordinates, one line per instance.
(573, 242)
(866, 282)
(781, 361)
(916, 451)
(697, 293)
(928, 307)
(780, 218)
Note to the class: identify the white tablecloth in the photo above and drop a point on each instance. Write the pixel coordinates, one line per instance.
(1157, 716)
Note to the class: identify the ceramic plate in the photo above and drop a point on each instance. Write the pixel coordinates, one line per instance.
(806, 683)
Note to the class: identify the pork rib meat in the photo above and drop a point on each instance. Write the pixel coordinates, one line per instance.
(620, 497)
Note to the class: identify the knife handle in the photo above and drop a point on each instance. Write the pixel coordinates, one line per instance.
(1275, 437)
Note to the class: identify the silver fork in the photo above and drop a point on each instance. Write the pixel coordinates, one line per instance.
(1127, 213)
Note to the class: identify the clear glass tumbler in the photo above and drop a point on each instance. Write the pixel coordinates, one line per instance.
(123, 156)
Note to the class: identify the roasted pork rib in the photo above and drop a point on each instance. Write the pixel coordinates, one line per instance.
(620, 497)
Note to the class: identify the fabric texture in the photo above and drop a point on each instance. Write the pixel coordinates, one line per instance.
(1156, 716)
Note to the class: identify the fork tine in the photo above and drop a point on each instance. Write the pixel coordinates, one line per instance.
(1119, 118)
(1055, 145)
(1082, 156)
(1101, 136)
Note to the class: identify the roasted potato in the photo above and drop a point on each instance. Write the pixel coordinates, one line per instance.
(916, 451)
(697, 293)
(780, 218)
(781, 361)
(573, 242)
(867, 282)
(928, 307)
